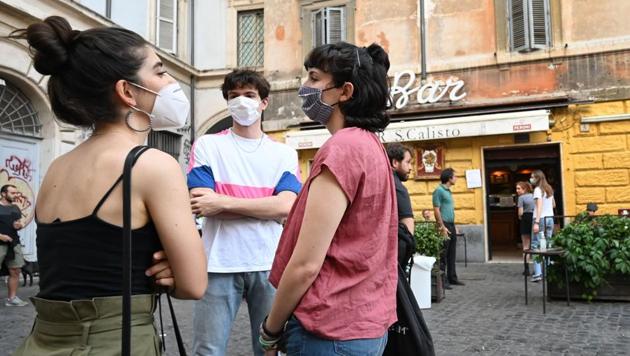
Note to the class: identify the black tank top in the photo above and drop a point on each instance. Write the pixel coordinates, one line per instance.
(82, 258)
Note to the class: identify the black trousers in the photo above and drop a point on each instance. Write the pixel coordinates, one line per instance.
(449, 254)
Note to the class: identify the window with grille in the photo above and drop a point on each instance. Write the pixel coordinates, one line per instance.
(529, 25)
(251, 44)
(166, 141)
(166, 33)
(329, 25)
(17, 115)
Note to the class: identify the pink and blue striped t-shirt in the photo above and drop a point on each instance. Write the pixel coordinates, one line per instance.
(243, 168)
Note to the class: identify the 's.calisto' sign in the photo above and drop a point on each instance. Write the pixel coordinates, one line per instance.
(439, 129)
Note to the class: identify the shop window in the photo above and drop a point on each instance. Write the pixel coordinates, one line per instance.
(251, 44)
(529, 25)
(166, 32)
(17, 115)
(166, 141)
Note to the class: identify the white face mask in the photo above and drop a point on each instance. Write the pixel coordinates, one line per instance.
(244, 110)
(170, 109)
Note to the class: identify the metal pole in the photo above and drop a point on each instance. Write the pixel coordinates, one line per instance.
(423, 43)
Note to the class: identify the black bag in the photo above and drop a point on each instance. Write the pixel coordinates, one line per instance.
(126, 297)
(409, 336)
(406, 249)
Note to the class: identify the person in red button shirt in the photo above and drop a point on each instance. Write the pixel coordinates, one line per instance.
(335, 267)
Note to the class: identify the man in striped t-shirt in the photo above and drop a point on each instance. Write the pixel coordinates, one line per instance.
(244, 184)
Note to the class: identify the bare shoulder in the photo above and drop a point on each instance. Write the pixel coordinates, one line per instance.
(154, 161)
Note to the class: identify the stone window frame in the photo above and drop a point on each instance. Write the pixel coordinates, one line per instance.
(502, 28)
(308, 7)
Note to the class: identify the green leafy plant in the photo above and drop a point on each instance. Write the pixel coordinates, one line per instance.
(429, 241)
(595, 247)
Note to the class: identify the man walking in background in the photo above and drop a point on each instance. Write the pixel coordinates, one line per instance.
(10, 248)
(444, 211)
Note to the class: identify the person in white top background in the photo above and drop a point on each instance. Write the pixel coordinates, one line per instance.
(543, 215)
(244, 184)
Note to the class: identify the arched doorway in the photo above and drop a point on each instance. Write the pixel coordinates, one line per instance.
(222, 125)
(20, 136)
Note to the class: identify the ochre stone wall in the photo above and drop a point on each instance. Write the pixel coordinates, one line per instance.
(598, 160)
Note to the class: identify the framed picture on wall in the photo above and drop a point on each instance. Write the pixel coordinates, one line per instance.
(430, 161)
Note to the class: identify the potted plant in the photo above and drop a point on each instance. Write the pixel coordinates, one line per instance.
(597, 255)
(429, 242)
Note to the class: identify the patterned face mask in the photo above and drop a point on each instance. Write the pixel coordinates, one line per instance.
(313, 106)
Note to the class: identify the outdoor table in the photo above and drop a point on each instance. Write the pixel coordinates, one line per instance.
(462, 235)
(546, 256)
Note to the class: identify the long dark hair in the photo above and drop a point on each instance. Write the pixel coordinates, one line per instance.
(84, 66)
(541, 182)
(366, 69)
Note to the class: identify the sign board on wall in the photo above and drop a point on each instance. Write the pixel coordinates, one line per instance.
(439, 129)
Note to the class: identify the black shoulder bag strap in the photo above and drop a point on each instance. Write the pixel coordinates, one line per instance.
(132, 156)
(131, 159)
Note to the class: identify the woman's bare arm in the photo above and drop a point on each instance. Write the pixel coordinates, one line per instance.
(165, 194)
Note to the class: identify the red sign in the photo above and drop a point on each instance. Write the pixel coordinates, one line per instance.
(624, 212)
(521, 127)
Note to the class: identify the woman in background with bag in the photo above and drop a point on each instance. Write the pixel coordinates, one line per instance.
(109, 80)
(335, 269)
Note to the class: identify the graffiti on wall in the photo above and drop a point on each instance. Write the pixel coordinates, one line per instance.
(18, 171)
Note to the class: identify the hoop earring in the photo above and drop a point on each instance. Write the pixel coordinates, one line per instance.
(127, 116)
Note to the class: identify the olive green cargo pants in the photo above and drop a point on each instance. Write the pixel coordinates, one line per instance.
(90, 327)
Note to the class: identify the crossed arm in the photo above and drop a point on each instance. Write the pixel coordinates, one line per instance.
(206, 202)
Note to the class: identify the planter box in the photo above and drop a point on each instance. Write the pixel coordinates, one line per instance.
(617, 289)
(437, 286)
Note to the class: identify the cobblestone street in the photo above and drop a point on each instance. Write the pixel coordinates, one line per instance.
(488, 316)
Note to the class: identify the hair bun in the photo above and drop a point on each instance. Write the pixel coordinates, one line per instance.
(51, 40)
(379, 56)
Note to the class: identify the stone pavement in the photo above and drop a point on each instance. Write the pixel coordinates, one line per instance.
(488, 316)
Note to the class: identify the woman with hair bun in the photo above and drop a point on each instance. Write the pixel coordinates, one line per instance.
(335, 269)
(109, 80)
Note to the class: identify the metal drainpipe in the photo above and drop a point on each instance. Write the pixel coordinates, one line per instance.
(423, 43)
(192, 76)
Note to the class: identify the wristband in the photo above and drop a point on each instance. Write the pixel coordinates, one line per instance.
(269, 334)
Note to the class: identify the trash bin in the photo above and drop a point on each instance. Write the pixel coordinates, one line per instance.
(421, 279)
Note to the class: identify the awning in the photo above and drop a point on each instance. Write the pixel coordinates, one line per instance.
(439, 129)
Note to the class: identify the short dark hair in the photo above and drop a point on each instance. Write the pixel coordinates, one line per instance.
(240, 78)
(396, 152)
(84, 67)
(5, 188)
(446, 175)
(366, 69)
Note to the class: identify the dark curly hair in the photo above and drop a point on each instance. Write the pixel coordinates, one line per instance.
(239, 78)
(366, 69)
(84, 66)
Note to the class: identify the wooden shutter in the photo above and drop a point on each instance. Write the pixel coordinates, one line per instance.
(328, 25)
(335, 25)
(539, 24)
(167, 25)
(518, 25)
(319, 28)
